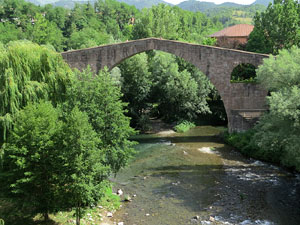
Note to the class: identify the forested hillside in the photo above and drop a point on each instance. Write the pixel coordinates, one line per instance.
(263, 2)
(104, 22)
(140, 4)
(69, 4)
(227, 13)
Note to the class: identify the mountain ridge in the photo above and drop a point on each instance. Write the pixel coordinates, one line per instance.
(195, 5)
(191, 4)
(262, 2)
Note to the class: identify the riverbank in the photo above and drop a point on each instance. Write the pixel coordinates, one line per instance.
(245, 143)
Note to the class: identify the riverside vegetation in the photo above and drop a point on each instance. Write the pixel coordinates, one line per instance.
(64, 132)
(276, 137)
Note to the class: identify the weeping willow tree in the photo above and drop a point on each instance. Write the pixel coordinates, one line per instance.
(28, 73)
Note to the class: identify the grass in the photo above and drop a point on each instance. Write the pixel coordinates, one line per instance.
(247, 81)
(240, 16)
(93, 215)
(184, 126)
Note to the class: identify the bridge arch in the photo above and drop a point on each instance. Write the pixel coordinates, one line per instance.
(243, 102)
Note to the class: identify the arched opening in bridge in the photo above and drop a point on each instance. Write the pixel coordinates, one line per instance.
(160, 85)
(244, 72)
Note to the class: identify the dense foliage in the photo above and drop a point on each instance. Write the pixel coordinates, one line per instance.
(105, 21)
(99, 97)
(137, 87)
(276, 28)
(62, 150)
(54, 157)
(276, 137)
(278, 133)
(158, 84)
(29, 72)
(244, 72)
(181, 93)
(175, 24)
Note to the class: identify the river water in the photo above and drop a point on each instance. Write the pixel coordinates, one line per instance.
(194, 178)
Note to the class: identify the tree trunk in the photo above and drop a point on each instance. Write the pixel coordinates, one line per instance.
(46, 216)
(78, 215)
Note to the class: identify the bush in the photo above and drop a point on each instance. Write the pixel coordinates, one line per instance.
(270, 149)
(110, 201)
(184, 126)
(243, 142)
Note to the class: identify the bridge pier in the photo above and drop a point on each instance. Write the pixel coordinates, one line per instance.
(241, 120)
(244, 104)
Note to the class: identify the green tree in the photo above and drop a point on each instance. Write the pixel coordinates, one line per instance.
(180, 93)
(29, 73)
(58, 15)
(99, 97)
(87, 37)
(82, 174)
(52, 162)
(117, 17)
(276, 28)
(277, 134)
(9, 32)
(258, 43)
(44, 32)
(31, 168)
(136, 85)
(158, 21)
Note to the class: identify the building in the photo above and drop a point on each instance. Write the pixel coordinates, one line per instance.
(234, 36)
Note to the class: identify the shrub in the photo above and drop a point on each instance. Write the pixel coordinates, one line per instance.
(184, 126)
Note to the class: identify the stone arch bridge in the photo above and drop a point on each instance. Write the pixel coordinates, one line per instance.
(244, 102)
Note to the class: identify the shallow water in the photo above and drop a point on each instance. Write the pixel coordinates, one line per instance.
(194, 178)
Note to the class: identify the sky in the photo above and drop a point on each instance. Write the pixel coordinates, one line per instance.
(245, 2)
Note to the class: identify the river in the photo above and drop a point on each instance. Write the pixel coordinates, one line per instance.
(194, 178)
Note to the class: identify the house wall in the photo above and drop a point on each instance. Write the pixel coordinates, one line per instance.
(231, 42)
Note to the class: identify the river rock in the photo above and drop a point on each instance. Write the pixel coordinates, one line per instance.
(196, 217)
(121, 223)
(127, 198)
(211, 219)
(109, 214)
(119, 192)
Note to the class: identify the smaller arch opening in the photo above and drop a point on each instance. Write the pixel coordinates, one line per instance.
(244, 73)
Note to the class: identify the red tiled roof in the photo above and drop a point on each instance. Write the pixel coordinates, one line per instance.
(240, 30)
